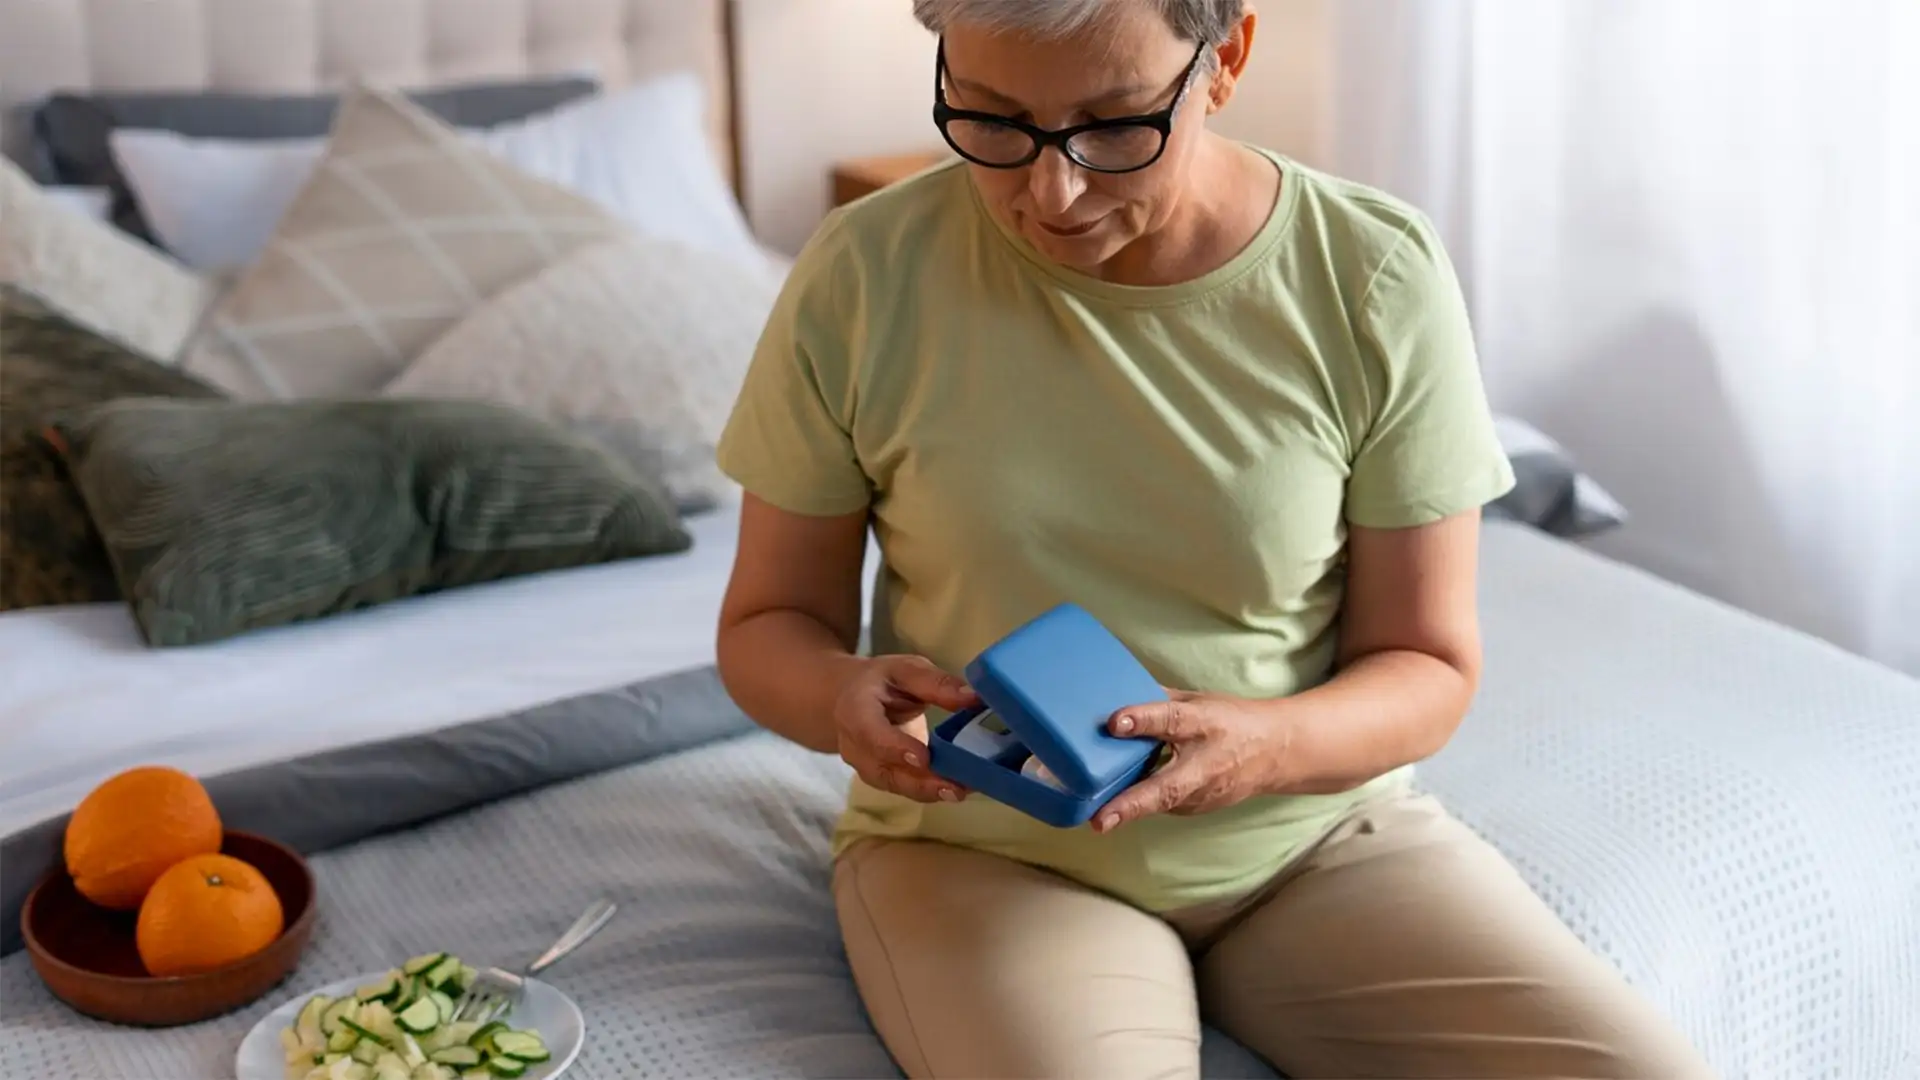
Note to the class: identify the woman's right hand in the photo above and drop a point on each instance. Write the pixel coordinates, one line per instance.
(880, 718)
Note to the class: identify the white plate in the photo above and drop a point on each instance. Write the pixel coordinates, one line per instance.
(543, 1008)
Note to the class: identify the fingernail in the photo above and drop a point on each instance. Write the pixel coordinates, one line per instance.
(913, 759)
(1108, 821)
(947, 794)
(1123, 725)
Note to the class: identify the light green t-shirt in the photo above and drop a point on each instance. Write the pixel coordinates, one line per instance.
(1182, 461)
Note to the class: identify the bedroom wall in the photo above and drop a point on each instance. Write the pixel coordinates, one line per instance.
(826, 80)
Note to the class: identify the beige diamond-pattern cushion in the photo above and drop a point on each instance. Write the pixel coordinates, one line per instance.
(403, 228)
(642, 341)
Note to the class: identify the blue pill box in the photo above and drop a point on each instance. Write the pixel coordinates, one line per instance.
(1047, 692)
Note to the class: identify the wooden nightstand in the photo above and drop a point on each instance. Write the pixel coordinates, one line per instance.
(863, 176)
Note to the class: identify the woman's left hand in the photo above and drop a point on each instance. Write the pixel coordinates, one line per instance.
(1225, 750)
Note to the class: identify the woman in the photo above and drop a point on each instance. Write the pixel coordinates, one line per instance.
(1231, 406)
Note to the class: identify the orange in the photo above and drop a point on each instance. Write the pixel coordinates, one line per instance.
(205, 913)
(131, 828)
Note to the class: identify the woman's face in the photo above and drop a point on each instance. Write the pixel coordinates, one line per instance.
(1075, 216)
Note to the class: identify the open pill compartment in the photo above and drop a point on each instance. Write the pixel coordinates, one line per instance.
(1047, 690)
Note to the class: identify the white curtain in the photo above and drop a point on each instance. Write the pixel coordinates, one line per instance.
(1690, 230)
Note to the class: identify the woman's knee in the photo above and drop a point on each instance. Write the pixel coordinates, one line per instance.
(1409, 947)
(974, 965)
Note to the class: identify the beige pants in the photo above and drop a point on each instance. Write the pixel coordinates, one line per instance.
(1400, 946)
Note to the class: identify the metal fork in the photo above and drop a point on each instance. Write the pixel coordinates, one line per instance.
(495, 992)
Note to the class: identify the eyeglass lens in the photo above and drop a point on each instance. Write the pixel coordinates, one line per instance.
(1121, 147)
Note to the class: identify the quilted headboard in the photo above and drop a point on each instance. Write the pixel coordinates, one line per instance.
(299, 46)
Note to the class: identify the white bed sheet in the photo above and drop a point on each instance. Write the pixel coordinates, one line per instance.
(81, 697)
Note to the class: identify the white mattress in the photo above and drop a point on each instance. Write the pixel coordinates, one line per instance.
(81, 697)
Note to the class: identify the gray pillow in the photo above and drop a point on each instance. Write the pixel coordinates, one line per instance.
(71, 130)
(1550, 491)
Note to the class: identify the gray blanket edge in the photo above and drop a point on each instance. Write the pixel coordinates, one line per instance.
(317, 802)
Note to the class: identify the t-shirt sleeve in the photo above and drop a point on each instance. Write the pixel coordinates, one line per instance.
(789, 438)
(1430, 449)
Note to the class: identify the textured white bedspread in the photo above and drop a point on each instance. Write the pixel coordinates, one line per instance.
(1728, 810)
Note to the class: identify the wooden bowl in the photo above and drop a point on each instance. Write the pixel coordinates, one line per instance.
(87, 957)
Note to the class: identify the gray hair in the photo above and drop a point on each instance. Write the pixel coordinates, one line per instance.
(1202, 22)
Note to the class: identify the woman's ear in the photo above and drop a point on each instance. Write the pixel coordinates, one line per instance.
(1231, 60)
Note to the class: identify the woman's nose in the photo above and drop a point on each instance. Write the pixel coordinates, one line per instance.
(1054, 182)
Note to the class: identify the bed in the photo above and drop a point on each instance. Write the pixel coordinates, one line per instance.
(1727, 810)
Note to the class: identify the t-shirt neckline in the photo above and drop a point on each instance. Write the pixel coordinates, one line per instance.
(1250, 255)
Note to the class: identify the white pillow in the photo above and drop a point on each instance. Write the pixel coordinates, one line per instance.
(643, 152)
(213, 203)
(646, 153)
(92, 203)
(639, 341)
(92, 272)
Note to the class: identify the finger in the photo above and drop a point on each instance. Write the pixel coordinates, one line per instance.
(1168, 721)
(882, 764)
(876, 738)
(919, 785)
(921, 679)
(1160, 793)
(910, 781)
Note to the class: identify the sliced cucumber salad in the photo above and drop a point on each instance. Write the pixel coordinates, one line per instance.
(401, 1027)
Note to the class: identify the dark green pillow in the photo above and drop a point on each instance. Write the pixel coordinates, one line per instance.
(50, 553)
(223, 518)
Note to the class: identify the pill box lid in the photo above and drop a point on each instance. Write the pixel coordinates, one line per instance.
(1055, 682)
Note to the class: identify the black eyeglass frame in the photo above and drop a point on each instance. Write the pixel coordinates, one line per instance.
(1160, 121)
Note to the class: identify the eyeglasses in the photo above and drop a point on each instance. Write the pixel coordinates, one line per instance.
(1119, 145)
